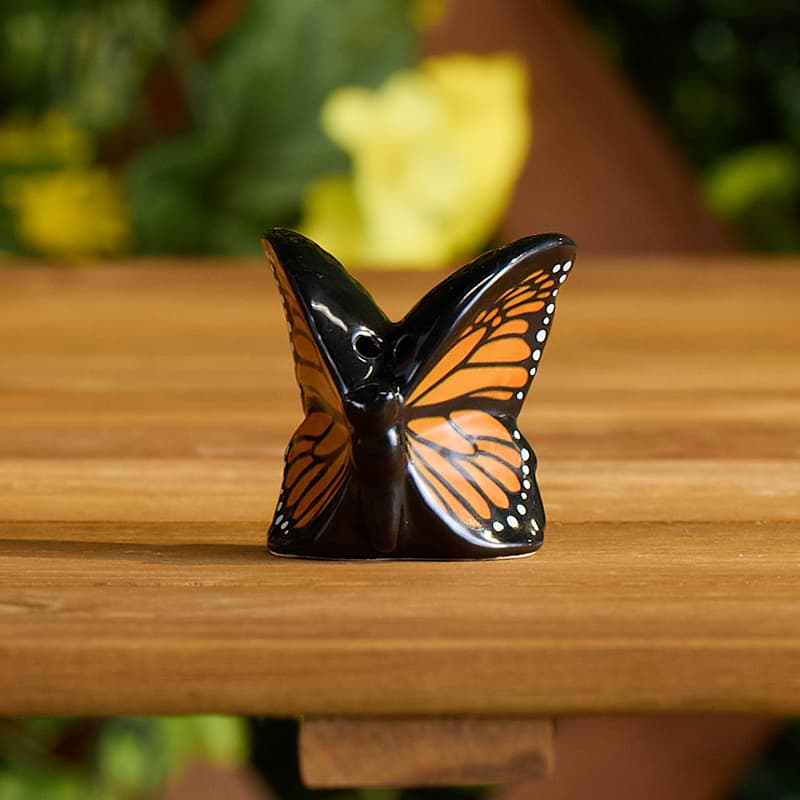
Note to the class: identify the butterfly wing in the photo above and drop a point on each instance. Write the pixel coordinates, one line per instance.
(481, 336)
(317, 467)
(318, 389)
(326, 309)
(317, 295)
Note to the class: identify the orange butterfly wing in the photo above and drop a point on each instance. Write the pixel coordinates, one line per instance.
(318, 457)
(495, 355)
(317, 464)
(466, 455)
(470, 466)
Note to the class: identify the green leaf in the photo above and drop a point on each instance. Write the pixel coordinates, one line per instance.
(748, 176)
(256, 142)
(758, 188)
(220, 740)
(101, 54)
(127, 760)
(86, 57)
(55, 785)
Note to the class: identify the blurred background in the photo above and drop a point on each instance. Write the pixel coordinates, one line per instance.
(132, 127)
(398, 133)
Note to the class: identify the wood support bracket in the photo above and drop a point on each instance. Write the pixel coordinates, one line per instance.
(338, 752)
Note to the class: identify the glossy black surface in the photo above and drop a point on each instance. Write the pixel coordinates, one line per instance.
(358, 381)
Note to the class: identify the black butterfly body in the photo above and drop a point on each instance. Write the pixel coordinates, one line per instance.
(410, 447)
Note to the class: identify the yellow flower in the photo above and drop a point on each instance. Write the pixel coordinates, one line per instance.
(435, 151)
(53, 138)
(70, 214)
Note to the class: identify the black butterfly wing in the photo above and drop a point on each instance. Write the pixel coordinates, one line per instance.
(336, 308)
(324, 306)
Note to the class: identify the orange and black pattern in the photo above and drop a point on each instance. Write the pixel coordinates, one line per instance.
(470, 462)
(318, 456)
(495, 356)
(410, 446)
(317, 465)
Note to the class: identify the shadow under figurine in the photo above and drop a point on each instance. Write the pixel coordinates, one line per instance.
(410, 446)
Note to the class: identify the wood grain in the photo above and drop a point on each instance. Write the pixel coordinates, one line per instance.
(338, 752)
(144, 410)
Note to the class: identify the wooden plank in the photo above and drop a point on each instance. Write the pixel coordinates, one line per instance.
(144, 410)
(337, 752)
(107, 618)
(222, 489)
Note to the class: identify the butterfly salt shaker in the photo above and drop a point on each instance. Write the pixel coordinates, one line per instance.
(410, 447)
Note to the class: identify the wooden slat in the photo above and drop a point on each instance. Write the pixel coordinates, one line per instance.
(338, 752)
(173, 490)
(192, 616)
(144, 410)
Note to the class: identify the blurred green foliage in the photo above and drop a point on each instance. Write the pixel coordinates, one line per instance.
(72, 74)
(724, 78)
(210, 138)
(216, 136)
(218, 141)
(87, 58)
(122, 758)
(759, 188)
(133, 758)
(255, 141)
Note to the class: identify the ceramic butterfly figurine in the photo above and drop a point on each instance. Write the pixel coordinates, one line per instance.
(410, 446)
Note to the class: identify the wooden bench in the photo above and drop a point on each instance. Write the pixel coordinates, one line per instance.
(144, 410)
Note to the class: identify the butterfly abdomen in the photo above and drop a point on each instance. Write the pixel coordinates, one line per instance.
(380, 469)
(378, 464)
